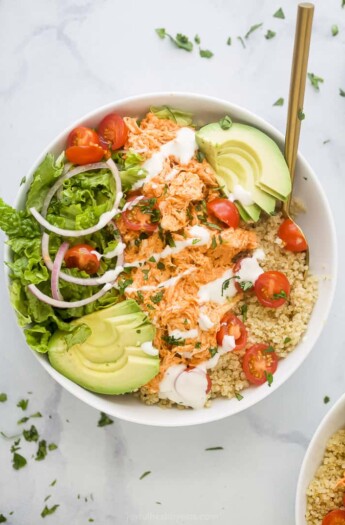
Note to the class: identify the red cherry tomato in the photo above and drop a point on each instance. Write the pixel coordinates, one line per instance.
(258, 362)
(136, 220)
(81, 256)
(335, 517)
(272, 289)
(225, 211)
(83, 146)
(113, 131)
(232, 325)
(293, 238)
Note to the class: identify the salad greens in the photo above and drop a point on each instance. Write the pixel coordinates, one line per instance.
(182, 118)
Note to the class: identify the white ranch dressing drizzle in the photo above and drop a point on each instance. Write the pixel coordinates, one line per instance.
(184, 334)
(130, 204)
(227, 346)
(185, 388)
(164, 284)
(205, 322)
(149, 349)
(118, 250)
(215, 291)
(250, 269)
(182, 147)
(241, 195)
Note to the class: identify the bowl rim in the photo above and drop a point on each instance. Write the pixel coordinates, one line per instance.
(338, 406)
(97, 402)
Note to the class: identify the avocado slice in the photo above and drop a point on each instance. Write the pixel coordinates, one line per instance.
(111, 360)
(246, 156)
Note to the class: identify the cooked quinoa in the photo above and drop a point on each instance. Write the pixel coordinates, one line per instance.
(282, 328)
(323, 495)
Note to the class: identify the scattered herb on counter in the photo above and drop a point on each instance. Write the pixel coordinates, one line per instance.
(197, 39)
(205, 53)
(279, 102)
(341, 92)
(52, 446)
(181, 41)
(2, 518)
(3, 397)
(225, 122)
(287, 340)
(161, 32)
(146, 473)
(47, 511)
(91, 520)
(5, 436)
(15, 447)
(238, 396)
(104, 420)
(47, 497)
(228, 42)
(280, 295)
(300, 114)
(53, 483)
(22, 420)
(23, 404)
(269, 378)
(31, 435)
(335, 30)
(213, 350)
(157, 297)
(41, 451)
(242, 41)
(158, 503)
(342, 3)
(279, 14)
(36, 414)
(315, 81)
(326, 400)
(18, 461)
(252, 29)
(214, 448)
(270, 34)
(244, 311)
(173, 341)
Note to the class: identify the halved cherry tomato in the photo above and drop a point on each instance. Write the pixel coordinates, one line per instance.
(335, 517)
(81, 256)
(292, 236)
(83, 146)
(225, 211)
(232, 325)
(134, 218)
(113, 131)
(272, 289)
(236, 268)
(258, 362)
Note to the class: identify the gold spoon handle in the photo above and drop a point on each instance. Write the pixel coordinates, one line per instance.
(297, 86)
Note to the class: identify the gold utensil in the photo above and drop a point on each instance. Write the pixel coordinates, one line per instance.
(296, 97)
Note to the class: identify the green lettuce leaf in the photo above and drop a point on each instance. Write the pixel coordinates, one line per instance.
(44, 177)
(130, 167)
(182, 118)
(17, 223)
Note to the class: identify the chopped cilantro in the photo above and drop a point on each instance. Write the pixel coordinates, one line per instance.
(251, 30)
(279, 102)
(341, 92)
(225, 122)
(104, 420)
(146, 473)
(211, 225)
(195, 241)
(18, 461)
(269, 378)
(53, 483)
(335, 30)
(22, 420)
(214, 242)
(157, 297)
(214, 448)
(46, 511)
(23, 404)
(315, 81)
(3, 397)
(213, 350)
(41, 451)
(181, 41)
(287, 340)
(146, 274)
(269, 350)
(279, 14)
(200, 156)
(228, 42)
(152, 259)
(52, 446)
(197, 345)
(280, 295)
(326, 400)
(161, 32)
(173, 341)
(122, 285)
(15, 447)
(205, 53)
(197, 39)
(270, 34)
(160, 266)
(31, 435)
(140, 296)
(2, 518)
(242, 41)
(300, 114)
(244, 310)
(47, 497)
(246, 285)
(169, 240)
(238, 396)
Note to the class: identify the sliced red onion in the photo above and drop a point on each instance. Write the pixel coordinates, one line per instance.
(104, 219)
(66, 304)
(108, 277)
(56, 271)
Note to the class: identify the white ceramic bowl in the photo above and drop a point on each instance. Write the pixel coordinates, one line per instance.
(320, 233)
(331, 423)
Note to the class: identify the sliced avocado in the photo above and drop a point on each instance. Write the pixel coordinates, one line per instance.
(111, 360)
(245, 155)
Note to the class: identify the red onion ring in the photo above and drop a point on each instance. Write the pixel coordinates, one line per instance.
(56, 271)
(66, 304)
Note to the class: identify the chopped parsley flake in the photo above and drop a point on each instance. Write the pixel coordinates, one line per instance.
(2, 518)
(146, 473)
(41, 451)
(246, 285)
(269, 378)
(3, 397)
(205, 53)
(52, 446)
(31, 435)
(152, 259)
(146, 274)
(269, 350)
(214, 242)
(23, 404)
(280, 295)
(213, 350)
(195, 241)
(197, 39)
(315, 81)
(197, 345)
(46, 511)
(15, 446)
(225, 122)
(279, 102)
(270, 34)
(244, 310)
(169, 240)
(214, 448)
(279, 14)
(326, 400)
(140, 296)
(300, 114)
(173, 341)
(242, 41)
(181, 41)
(251, 30)
(158, 297)
(287, 340)
(104, 420)
(238, 396)
(53, 483)
(160, 266)
(18, 461)
(335, 30)
(228, 42)
(341, 92)
(161, 32)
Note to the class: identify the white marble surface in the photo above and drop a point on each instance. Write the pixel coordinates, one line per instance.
(60, 59)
